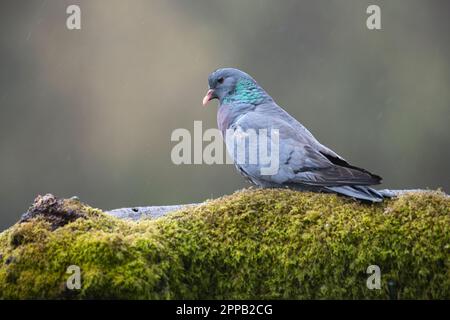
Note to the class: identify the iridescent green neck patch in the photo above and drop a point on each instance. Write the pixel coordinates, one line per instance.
(246, 91)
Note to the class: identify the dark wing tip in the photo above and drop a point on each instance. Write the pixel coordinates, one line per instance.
(373, 178)
(377, 178)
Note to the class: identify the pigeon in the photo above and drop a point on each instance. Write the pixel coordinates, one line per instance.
(304, 164)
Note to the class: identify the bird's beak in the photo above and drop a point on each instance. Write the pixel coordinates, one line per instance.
(209, 96)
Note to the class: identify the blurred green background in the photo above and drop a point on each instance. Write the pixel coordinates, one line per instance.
(90, 112)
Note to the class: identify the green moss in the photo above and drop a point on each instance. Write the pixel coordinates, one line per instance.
(253, 244)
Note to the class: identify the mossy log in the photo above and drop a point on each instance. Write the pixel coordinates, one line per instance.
(255, 244)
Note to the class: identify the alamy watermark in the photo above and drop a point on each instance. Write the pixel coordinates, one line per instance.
(374, 280)
(74, 280)
(245, 147)
(73, 21)
(373, 22)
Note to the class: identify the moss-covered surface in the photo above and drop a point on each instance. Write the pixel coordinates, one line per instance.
(256, 244)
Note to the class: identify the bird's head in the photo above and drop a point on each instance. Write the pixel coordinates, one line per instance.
(233, 85)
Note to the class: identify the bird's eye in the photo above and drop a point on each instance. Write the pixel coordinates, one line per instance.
(220, 80)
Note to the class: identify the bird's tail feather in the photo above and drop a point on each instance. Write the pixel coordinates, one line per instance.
(369, 194)
(360, 192)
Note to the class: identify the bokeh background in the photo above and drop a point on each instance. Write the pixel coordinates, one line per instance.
(90, 112)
